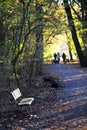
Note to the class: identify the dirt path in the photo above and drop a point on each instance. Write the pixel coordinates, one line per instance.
(72, 97)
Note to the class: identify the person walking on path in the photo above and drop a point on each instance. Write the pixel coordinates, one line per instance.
(64, 57)
(55, 58)
(58, 57)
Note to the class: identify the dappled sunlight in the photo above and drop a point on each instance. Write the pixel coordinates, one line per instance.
(79, 76)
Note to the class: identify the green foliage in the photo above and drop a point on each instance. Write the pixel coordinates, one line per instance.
(26, 28)
(48, 54)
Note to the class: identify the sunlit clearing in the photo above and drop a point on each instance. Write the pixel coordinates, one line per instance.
(58, 44)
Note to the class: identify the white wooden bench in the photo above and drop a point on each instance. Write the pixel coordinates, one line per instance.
(21, 101)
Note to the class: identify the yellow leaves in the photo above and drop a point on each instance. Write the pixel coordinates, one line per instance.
(40, 1)
(21, 45)
(20, 121)
(17, 1)
(42, 106)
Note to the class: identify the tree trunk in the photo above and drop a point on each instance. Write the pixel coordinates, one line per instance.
(70, 53)
(2, 35)
(39, 39)
(74, 35)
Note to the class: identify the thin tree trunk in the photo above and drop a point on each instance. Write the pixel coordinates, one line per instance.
(70, 53)
(39, 39)
(2, 35)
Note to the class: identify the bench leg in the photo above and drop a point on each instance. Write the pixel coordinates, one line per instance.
(26, 109)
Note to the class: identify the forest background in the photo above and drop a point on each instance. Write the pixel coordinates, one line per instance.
(29, 30)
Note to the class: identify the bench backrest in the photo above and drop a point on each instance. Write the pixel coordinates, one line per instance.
(16, 93)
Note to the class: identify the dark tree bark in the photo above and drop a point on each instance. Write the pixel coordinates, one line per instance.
(2, 35)
(74, 35)
(39, 38)
(84, 10)
(70, 53)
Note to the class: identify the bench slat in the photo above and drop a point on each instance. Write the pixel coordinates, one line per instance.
(26, 101)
